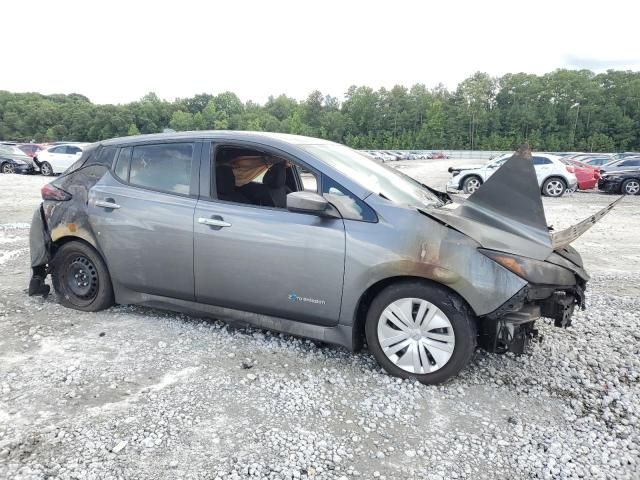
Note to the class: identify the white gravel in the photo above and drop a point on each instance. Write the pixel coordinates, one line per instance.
(138, 393)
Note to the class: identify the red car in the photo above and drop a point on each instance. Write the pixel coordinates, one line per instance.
(587, 175)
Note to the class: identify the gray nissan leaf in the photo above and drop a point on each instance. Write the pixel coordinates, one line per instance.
(311, 238)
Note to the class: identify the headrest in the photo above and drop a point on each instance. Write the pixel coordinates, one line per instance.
(276, 176)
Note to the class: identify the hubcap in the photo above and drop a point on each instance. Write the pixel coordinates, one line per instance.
(82, 278)
(632, 188)
(473, 185)
(7, 168)
(555, 188)
(416, 335)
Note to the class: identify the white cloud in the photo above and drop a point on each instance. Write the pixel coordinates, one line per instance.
(123, 49)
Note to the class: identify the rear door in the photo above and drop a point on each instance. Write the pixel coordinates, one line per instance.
(543, 167)
(268, 260)
(142, 215)
(67, 156)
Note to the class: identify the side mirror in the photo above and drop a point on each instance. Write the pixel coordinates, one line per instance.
(309, 202)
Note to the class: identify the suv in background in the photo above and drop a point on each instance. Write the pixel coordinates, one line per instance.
(554, 177)
(57, 158)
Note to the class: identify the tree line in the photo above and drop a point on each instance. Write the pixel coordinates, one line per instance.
(562, 110)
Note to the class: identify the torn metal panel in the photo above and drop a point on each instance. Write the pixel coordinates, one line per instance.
(564, 237)
(39, 240)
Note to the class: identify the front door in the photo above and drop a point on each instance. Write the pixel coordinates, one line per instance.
(142, 217)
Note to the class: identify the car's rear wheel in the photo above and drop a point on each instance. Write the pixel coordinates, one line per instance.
(471, 184)
(8, 167)
(631, 187)
(554, 187)
(422, 331)
(81, 279)
(46, 169)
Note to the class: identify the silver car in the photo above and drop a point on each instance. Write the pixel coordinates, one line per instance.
(311, 238)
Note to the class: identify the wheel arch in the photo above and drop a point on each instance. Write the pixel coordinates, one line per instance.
(373, 290)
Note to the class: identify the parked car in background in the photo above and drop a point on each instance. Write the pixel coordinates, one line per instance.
(586, 175)
(57, 158)
(597, 161)
(618, 165)
(626, 182)
(221, 223)
(14, 160)
(554, 177)
(30, 149)
(438, 155)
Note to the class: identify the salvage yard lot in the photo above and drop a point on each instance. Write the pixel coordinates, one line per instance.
(138, 393)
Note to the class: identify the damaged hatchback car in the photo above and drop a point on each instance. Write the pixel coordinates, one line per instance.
(311, 238)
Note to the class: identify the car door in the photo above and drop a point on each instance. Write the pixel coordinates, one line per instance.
(268, 260)
(141, 212)
(66, 155)
(543, 167)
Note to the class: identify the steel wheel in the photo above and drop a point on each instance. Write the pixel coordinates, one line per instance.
(554, 187)
(46, 169)
(631, 187)
(81, 278)
(8, 168)
(416, 335)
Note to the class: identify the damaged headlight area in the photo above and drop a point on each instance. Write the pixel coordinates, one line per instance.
(553, 292)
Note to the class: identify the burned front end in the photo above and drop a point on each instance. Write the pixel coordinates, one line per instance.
(506, 218)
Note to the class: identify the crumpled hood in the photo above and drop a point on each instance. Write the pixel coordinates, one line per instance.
(507, 213)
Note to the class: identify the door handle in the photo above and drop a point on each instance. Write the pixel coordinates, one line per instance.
(213, 222)
(107, 204)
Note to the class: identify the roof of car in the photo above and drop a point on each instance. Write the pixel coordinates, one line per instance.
(272, 138)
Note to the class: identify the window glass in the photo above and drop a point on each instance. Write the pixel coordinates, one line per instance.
(630, 163)
(308, 179)
(105, 157)
(541, 161)
(73, 150)
(122, 166)
(349, 206)
(162, 167)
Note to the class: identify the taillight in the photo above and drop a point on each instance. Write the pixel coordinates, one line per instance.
(570, 169)
(51, 192)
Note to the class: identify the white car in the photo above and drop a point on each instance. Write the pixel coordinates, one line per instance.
(57, 158)
(554, 177)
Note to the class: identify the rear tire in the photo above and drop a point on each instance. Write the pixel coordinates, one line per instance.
(433, 345)
(630, 187)
(46, 169)
(554, 187)
(471, 184)
(81, 279)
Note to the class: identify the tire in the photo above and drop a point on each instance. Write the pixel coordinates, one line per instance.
(46, 169)
(630, 187)
(471, 184)
(456, 331)
(7, 167)
(81, 279)
(554, 187)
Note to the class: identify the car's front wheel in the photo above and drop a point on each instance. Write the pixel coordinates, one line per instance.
(8, 167)
(46, 169)
(554, 187)
(631, 187)
(420, 330)
(471, 184)
(81, 279)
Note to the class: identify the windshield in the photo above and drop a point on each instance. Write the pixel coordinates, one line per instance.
(387, 182)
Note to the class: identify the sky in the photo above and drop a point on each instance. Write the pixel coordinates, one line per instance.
(117, 51)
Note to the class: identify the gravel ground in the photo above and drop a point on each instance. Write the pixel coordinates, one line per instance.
(138, 393)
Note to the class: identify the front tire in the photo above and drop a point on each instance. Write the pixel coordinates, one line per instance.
(471, 184)
(81, 279)
(630, 187)
(46, 169)
(420, 330)
(553, 187)
(7, 167)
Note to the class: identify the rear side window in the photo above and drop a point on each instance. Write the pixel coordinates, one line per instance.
(164, 167)
(349, 206)
(105, 157)
(541, 161)
(630, 163)
(122, 166)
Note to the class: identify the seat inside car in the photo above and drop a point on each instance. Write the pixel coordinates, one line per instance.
(275, 180)
(226, 185)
